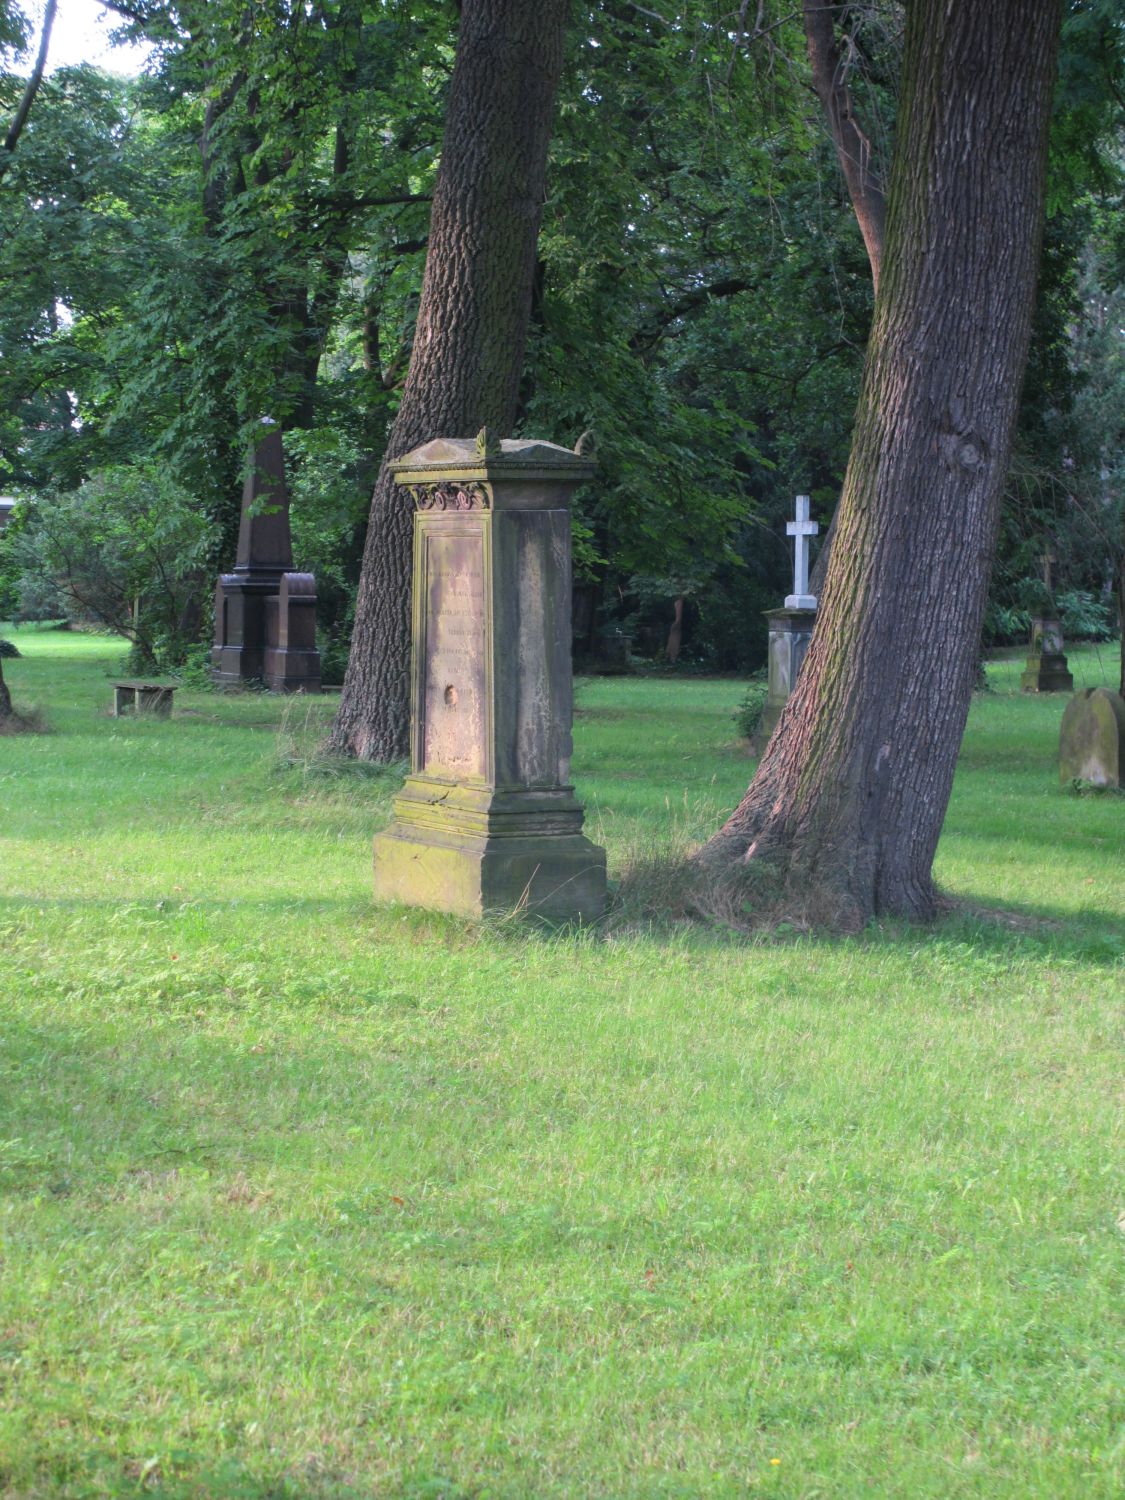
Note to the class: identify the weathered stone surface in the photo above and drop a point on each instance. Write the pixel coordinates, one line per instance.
(454, 682)
(1092, 739)
(1047, 670)
(790, 633)
(487, 820)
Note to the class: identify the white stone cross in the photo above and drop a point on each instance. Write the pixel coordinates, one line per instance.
(801, 529)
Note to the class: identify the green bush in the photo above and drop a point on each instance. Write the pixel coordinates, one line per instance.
(1085, 616)
(748, 714)
(127, 549)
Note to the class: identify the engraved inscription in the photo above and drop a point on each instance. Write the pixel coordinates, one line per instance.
(453, 688)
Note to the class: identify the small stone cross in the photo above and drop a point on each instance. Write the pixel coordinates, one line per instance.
(801, 530)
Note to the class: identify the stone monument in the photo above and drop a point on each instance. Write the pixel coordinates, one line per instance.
(487, 818)
(1047, 670)
(1092, 739)
(791, 627)
(265, 614)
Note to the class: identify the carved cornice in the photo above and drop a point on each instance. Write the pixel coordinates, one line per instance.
(470, 494)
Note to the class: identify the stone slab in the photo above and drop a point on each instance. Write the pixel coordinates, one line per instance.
(1092, 739)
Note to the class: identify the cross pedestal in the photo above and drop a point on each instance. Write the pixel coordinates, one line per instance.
(790, 633)
(791, 628)
(1047, 670)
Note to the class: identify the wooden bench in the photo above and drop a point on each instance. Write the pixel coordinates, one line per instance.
(142, 697)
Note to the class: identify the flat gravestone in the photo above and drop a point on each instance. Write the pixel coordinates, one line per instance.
(1092, 739)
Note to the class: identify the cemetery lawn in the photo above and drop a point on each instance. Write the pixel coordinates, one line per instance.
(304, 1199)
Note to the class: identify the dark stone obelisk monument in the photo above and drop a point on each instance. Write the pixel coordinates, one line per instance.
(487, 819)
(265, 614)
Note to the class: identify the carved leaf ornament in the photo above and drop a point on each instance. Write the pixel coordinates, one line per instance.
(469, 496)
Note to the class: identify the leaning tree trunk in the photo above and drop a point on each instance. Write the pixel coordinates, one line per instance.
(852, 791)
(472, 324)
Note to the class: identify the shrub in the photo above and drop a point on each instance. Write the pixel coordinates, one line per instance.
(126, 549)
(1085, 616)
(748, 714)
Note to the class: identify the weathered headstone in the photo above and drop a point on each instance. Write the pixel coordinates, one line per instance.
(487, 819)
(1047, 670)
(1092, 739)
(265, 614)
(791, 628)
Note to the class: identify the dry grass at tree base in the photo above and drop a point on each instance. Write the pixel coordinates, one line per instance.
(310, 1200)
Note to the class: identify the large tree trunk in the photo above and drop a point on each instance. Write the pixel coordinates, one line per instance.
(5, 697)
(472, 323)
(850, 796)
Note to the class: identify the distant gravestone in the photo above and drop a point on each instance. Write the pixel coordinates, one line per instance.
(791, 628)
(1092, 739)
(265, 614)
(1047, 670)
(487, 819)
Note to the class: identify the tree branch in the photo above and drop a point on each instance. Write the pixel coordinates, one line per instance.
(646, 338)
(15, 129)
(853, 148)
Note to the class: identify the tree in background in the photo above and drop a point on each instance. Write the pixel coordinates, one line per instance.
(127, 549)
(850, 796)
(472, 323)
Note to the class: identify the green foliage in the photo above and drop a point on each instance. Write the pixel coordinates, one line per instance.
(242, 233)
(125, 549)
(703, 306)
(330, 481)
(748, 714)
(1085, 616)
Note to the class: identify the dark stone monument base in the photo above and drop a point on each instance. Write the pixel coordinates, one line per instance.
(472, 850)
(1047, 673)
(266, 632)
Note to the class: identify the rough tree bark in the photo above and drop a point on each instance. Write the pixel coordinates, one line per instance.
(850, 796)
(853, 146)
(472, 324)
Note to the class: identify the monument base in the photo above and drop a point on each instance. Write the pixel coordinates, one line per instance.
(472, 850)
(1047, 673)
(790, 633)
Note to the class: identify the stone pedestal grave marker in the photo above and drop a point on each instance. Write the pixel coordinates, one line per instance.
(265, 614)
(1092, 739)
(1047, 670)
(487, 819)
(791, 628)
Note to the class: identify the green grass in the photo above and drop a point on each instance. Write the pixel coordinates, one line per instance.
(306, 1199)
